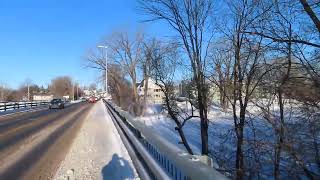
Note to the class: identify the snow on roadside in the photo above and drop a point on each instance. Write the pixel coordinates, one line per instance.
(222, 140)
(164, 126)
(97, 152)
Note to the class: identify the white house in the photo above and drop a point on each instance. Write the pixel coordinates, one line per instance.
(154, 93)
(42, 97)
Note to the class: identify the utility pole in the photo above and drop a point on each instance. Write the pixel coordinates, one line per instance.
(28, 92)
(106, 75)
(27, 83)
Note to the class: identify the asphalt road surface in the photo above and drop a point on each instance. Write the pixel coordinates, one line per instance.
(33, 144)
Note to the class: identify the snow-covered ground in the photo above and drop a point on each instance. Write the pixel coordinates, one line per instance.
(162, 124)
(97, 152)
(222, 141)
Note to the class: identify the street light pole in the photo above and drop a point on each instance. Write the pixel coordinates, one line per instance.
(106, 59)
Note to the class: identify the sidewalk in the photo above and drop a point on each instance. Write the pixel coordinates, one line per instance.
(97, 153)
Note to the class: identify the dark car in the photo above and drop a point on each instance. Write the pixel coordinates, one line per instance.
(56, 104)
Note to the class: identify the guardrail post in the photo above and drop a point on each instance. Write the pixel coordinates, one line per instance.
(5, 106)
(206, 160)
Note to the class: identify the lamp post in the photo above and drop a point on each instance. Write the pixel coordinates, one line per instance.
(106, 59)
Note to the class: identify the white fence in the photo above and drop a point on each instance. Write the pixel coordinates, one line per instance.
(8, 106)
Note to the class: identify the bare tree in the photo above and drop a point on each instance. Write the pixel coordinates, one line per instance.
(26, 91)
(190, 19)
(128, 52)
(246, 59)
(311, 13)
(146, 63)
(302, 11)
(2, 92)
(164, 65)
(61, 86)
(95, 59)
(221, 58)
(119, 87)
(281, 29)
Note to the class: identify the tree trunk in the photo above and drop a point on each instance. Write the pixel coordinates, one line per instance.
(239, 154)
(184, 140)
(311, 14)
(136, 103)
(280, 139)
(223, 102)
(179, 126)
(203, 115)
(280, 131)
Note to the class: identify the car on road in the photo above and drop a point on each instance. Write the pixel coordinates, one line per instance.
(92, 99)
(56, 104)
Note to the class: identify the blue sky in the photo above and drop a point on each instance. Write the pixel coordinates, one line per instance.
(42, 39)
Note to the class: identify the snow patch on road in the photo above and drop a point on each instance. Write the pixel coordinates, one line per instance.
(97, 152)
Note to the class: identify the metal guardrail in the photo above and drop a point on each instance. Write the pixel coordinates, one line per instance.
(6, 106)
(146, 166)
(176, 163)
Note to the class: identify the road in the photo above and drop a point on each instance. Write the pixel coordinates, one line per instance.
(33, 144)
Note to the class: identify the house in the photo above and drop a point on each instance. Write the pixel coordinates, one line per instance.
(299, 85)
(154, 93)
(42, 97)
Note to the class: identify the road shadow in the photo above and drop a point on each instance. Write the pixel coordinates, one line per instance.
(117, 169)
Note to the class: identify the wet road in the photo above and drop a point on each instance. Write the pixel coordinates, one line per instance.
(33, 144)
